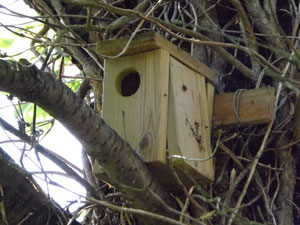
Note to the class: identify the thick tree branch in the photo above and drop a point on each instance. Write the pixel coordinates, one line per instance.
(22, 201)
(58, 161)
(265, 25)
(125, 169)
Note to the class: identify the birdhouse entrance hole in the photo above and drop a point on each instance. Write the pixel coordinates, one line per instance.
(128, 82)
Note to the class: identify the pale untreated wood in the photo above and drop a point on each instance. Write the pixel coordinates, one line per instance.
(141, 119)
(255, 107)
(188, 125)
(150, 41)
(158, 118)
(210, 102)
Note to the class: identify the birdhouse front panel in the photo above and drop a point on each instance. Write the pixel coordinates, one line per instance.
(188, 121)
(135, 101)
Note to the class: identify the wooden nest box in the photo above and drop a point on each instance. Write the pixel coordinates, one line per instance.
(157, 98)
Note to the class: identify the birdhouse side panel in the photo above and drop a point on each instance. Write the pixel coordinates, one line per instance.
(135, 101)
(210, 104)
(205, 107)
(188, 122)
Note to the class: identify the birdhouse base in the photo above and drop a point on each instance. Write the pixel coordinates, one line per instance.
(171, 177)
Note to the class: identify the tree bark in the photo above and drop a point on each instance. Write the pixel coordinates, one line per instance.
(124, 168)
(288, 161)
(22, 201)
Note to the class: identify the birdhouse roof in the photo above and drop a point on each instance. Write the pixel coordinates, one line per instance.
(148, 42)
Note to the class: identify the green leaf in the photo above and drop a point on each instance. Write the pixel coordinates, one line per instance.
(208, 215)
(6, 43)
(73, 84)
(27, 110)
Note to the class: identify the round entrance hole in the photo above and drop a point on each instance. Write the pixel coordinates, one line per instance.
(128, 83)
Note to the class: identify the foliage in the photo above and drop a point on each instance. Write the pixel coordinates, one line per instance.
(6, 43)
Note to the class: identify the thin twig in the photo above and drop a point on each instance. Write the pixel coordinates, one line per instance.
(135, 211)
(258, 154)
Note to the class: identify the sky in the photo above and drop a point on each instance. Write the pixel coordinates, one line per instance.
(59, 140)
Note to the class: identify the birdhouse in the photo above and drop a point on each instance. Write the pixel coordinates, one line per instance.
(159, 99)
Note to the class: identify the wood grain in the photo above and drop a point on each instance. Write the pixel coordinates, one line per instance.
(210, 102)
(255, 107)
(151, 41)
(141, 119)
(188, 125)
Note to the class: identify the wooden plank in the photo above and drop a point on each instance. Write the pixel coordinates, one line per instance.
(210, 102)
(185, 58)
(205, 127)
(150, 41)
(255, 107)
(141, 119)
(188, 121)
(162, 59)
(141, 43)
